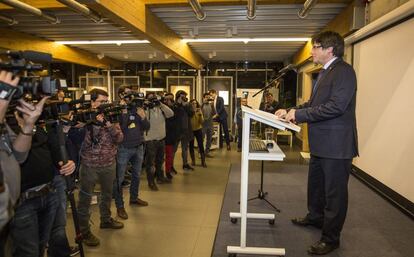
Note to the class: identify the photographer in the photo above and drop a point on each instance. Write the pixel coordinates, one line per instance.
(156, 113)
(183, 114)
(39, 201)
(208, 113)
(197, 125)
(133, 124)
(171, 136)
(270, 104)
(13, 149)
(98, 155)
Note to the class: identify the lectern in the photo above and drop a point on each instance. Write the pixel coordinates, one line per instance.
(274, 155)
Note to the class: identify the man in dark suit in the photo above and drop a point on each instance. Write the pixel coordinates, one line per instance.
(221, 115)
(330, 114)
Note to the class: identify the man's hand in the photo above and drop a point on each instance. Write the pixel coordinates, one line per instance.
(7, 77)
(100, 118)
(141, 113)
(290, 116)
(281, 113)
(67, 169)
(30, 113)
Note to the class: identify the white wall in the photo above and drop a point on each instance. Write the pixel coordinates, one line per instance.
(385, 107)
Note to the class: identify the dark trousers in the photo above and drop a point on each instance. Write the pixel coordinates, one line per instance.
(328, 195)
(32, 223)
(225, 129)
(125, 155)
(58, 242)
(198, 135)
(169, 157)
(89, 176)
(154, 156)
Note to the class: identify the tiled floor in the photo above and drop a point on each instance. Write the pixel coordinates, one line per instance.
(180, 221)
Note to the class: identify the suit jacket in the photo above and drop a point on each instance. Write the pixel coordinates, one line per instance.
(220, 110)
(330, 113)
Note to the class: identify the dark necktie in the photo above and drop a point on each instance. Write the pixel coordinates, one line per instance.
(320, 75)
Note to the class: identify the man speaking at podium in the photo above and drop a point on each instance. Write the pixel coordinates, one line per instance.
(330, 114)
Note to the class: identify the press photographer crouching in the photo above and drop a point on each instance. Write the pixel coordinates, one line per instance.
(156, 113)
(133, 123)
(98, 155)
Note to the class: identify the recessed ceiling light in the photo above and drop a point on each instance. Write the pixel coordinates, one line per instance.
(102, 42)
(245, 40)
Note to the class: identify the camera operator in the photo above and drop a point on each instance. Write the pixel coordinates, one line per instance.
(156, 113)
(39, 201)
(184, 112)
(133, 124)
(208, 113)
(98, 155)
(13, 149)
(270, 104)
(171, 136)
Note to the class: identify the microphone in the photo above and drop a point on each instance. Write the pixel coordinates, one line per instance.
(287, 68)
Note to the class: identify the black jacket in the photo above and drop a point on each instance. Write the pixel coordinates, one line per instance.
(330, 113)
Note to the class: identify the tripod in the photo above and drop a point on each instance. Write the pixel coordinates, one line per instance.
(262, 194)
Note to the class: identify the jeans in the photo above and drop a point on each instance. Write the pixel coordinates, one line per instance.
(154, 156)
(208, 134)
(184, 148)
(135, 156)
(32, 223)
(58, 242)
(88, 178)
(197, 136)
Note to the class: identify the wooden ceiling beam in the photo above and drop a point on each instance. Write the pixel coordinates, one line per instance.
(18, 41)
(41, 4)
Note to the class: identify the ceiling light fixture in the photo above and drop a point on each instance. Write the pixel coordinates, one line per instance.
(307, 7)
(251, 9)
(166, 56)
(83, 9)
(32, 10)
(100, 56)
(198, 10)
(102, 42)
(229, 34)
(245, 40)
(8, 20)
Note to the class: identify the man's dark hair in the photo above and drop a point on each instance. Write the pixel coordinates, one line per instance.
(206, 94)
(330, 39)
(212, 91)
(169, 94)
(121, 89)
(180, 93)
(96, 92)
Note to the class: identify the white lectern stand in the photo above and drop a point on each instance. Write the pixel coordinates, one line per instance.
(275, 155)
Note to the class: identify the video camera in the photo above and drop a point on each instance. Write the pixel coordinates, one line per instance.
(32, 86)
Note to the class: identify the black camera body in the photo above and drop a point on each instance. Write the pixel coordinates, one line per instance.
(31, 87)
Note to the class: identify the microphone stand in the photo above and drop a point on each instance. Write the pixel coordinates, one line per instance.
(270, 84)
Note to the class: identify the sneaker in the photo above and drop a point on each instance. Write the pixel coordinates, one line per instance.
(169, 176)
(74, 250)
(122, 213)
(125, 184)
(163, 180)
(228, 148)
(187, 167)
(90, 239)
(208, 155)
(174, 171)
(138, 202)
(153, 187)
(112, 224)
